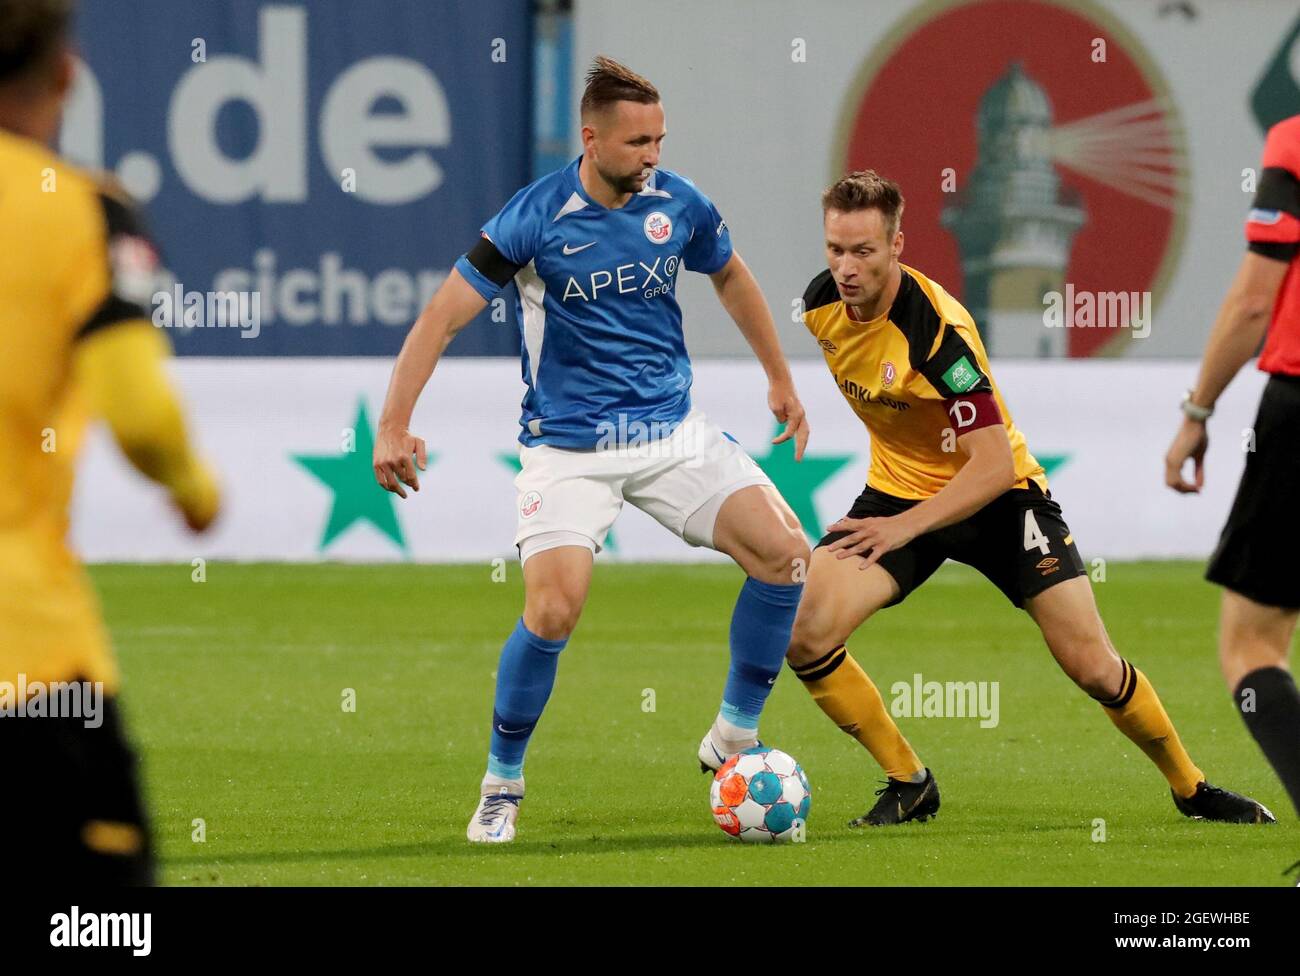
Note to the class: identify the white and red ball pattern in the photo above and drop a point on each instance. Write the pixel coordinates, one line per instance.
(761, 794)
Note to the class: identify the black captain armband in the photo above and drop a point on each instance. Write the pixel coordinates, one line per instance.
(1277, 250)
(133, 265)
(1273, 225)
(491, 263)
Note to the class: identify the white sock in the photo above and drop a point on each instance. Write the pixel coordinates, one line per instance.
(492, 785)
(731, 738)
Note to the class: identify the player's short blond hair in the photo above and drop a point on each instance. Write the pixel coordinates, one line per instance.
(865, 189)
(609, 82)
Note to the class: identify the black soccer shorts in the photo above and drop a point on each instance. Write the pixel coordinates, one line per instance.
(1256, 552)
(72, 813)
(1019, 541)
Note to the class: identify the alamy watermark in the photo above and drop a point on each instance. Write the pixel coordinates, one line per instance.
(647, 439)
(1083, 309)
(946, 699)
(53, 699)
(181, 309)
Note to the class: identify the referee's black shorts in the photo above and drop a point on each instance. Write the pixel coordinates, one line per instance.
(1257, 551)
(1019, 541)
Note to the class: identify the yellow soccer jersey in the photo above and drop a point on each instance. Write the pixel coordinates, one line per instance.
(911, 376)
(74, 261)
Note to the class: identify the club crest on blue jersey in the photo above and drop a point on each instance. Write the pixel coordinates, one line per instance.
(658, 228)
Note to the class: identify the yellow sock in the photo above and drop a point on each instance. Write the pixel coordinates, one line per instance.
(1137, 712)
(844, 692)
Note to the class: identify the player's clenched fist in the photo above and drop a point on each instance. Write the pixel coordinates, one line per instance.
(392, 459)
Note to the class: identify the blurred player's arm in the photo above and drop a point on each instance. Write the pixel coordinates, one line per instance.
(119, 359)
(743, 299)
(122, 368)
(452, 307)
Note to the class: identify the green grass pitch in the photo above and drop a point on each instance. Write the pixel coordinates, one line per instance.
(234, 689)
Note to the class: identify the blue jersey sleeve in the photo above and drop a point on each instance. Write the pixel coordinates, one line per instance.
(710, 245)
(514, 234)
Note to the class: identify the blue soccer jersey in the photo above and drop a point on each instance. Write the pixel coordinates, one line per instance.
(601, 342)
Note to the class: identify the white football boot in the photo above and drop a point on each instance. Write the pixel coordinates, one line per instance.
(494, 820)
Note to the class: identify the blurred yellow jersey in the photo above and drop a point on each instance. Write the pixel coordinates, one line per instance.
(74, 260)
(917, 377)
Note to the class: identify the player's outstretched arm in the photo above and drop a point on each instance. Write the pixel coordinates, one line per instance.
(1235, 338)
(989, 471)
(121, 368)
(743, 299)
(451, 308)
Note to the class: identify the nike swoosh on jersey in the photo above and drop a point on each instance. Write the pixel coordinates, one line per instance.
(574, 250)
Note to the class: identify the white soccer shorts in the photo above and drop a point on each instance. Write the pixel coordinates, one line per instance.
(568, 497)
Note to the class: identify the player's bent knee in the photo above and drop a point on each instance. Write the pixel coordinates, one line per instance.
(552, 614)
(1096, 671)
(813, 635)
(785, 561)
(1239, 657)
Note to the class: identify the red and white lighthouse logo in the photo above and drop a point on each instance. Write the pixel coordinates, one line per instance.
(1053, 157)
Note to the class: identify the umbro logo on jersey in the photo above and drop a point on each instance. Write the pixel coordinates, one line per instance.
(574, 250)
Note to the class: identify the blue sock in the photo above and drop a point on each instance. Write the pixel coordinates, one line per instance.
(760, 635)
(525, 676)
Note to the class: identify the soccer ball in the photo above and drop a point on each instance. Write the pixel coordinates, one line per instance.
(761, 794)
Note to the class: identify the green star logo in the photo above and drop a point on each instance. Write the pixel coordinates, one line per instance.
(357, 496)
(1277, 92)
(1052, 462)
(799, 481)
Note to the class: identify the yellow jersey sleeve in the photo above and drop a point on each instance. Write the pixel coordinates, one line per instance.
(129, 261)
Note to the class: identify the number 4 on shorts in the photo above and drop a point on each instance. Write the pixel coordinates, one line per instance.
(1034, 538)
